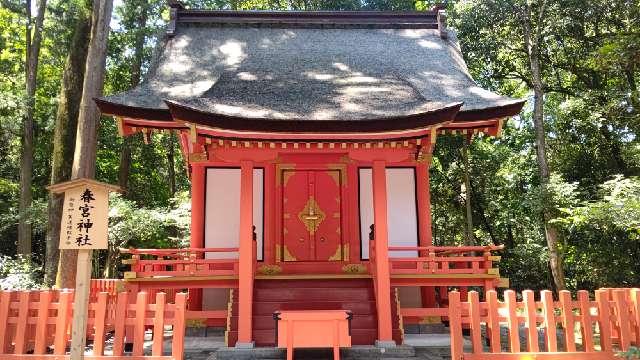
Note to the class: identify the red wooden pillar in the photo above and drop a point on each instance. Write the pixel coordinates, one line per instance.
(245, 276)
(428, 294)
(197, 224)
(382, 278)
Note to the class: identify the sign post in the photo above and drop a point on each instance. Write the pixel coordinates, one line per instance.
(84, 227)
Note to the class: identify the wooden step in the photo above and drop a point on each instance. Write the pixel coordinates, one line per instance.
(315, 283)
(356, 295)
(313, 294)
(268, 337)
(268, 307)
(267, 322)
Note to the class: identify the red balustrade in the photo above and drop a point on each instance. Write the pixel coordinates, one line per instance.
(156, 263)
(444, 260)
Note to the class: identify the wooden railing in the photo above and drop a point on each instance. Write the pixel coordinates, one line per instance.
(36, 324)
(616, 313)
(110, 286)
(150, 263)
(444, 260)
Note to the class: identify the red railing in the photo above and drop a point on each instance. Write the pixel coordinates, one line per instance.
(616, 314)
(110, 286)
(444, 260)
(149, 263)
(36, 324)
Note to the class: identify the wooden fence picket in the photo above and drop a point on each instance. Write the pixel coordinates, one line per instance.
(635, 311)
(568, 323)
(531, 321)
(474, 314)
(493, 321)
(100, 315)
(548, 311)
(512, 321)
(622, 318)
(177, 344)
(20, 336)
(604, 320)
(586, 327)
(138, 335)
(5, 302)
(40, 345)
(63, 316)
(455, 324)
(120, 316)
(158, 324)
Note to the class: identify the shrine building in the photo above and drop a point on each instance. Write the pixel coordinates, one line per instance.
(308, 139)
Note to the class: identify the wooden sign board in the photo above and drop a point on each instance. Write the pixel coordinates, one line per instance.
(85, 214)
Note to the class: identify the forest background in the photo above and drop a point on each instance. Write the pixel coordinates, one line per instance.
(559, 188)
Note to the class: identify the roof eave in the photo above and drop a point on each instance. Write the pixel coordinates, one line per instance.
(494, 112)
(116, 109)
(181, 112)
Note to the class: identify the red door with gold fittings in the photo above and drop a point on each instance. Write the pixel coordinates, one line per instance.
(311, 215)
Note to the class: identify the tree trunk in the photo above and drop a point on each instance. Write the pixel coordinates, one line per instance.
(125, 164)
(171, 163)
(84, 157)
(136, 76)
(64, 136)
(26, 166)
(532, 46)
(469, 239)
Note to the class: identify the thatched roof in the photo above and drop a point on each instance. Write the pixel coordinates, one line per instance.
(224, 65)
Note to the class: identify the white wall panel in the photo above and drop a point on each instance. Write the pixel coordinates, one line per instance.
(366, 209)
(222, 221)
(222, 209)
(401, 209)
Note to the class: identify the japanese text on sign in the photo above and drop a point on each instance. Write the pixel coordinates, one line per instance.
(84, 222)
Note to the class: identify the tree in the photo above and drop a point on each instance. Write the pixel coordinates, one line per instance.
(511, 42)
(469, 238)
(139, 23)
(532, 36)
(84, 157)
(64, 136)
(26, 167)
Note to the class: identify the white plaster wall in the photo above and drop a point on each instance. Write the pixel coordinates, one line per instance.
(222, 210)
(222, 221)
(401, 209)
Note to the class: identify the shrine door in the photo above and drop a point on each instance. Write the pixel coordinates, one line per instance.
(311, 215)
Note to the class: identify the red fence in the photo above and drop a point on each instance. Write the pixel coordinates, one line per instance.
(613, 318)
(147, 263)
(443, 259)
(38, 324)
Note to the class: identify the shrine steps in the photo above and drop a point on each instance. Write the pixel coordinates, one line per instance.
(356, 295)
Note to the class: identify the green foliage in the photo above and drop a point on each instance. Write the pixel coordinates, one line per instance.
(632, 354)
(149, 228)
(131, 226)
(589, 58)
(19, 273)
(602, 236)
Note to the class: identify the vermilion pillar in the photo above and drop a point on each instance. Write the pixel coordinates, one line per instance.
(197, 206)
(383, 281)
(245, 276)
(197, 224)
(424, 222)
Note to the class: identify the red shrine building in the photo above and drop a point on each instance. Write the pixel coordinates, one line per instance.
(308, 139)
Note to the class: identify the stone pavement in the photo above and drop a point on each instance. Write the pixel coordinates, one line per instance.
(417, 347)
